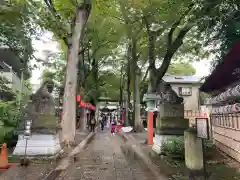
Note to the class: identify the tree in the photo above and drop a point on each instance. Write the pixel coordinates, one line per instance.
(133, 29)
(181, 69)
(166, 33)
(17, 28)
(110, 85)
(223, 32)
(72, 40)
(136, 33)
(98, 48)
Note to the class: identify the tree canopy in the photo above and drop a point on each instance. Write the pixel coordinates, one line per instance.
(118, 47)
(16, 31)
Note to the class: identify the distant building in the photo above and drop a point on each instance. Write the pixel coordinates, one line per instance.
(14, 82)
(186, 87)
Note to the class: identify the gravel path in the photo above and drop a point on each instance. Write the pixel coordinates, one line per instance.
(104, 160)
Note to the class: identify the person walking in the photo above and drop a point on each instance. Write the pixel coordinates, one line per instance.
(92, 121)
(102, 124)
(113, 127)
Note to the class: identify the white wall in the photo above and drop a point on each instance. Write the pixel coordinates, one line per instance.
(190, 102)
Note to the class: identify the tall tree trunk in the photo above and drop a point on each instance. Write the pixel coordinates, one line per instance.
(138, 126)
(121, 91)
(152, 68)
(69, 104)
(80, 91)
(95, 80)
(128, 97)
(136, 85)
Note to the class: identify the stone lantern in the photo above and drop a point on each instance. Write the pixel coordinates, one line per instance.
(151, 99)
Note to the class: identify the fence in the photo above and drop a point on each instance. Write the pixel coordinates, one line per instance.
(191, 115)
(226, 133)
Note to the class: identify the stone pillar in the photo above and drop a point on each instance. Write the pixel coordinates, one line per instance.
(193, 154)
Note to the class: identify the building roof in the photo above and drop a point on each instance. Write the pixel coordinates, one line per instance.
(225, 74)
(182, 79)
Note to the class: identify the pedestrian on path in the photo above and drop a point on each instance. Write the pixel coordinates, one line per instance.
(102, 124)
(113, 127)
(92, 121)
(119, 126)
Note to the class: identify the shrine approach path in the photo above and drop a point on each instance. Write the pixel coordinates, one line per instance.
(103, 160)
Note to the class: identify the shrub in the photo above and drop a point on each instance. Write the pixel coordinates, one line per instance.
(174, 147)
(11, 139)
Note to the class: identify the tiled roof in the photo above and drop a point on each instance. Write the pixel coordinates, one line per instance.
(182, 79)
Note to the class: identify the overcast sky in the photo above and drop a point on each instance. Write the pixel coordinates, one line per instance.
(202, 67)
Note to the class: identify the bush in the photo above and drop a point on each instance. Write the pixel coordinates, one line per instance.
(174, 147)
(10, 138)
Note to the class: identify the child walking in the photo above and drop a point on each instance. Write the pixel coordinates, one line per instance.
(113, 127)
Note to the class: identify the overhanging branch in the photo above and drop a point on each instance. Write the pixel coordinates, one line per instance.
(171, 51)
(176, 24)
(50, 5)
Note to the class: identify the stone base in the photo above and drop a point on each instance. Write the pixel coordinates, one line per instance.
(38, 145)
(159, 141)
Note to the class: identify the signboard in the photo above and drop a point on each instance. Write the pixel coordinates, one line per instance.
(202, 128)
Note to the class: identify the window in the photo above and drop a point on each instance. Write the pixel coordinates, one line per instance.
(185, 91)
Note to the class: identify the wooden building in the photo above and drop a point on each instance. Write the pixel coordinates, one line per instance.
(224, 86)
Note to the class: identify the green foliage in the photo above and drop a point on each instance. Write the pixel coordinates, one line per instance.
(229, 33)
(11, 112)
(10, 137)
(174, 147)
(110, 85)
(181, 69)
(16, 30)
(108, 33)
(55, 67)
(10, 117)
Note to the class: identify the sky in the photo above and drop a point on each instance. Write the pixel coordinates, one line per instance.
(46, 43)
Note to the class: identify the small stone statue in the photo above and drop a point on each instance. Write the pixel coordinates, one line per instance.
(41, 109)
(168, 94)
(44, 140)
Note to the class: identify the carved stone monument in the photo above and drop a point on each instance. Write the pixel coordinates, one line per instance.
(170, 122)
(44, 137)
